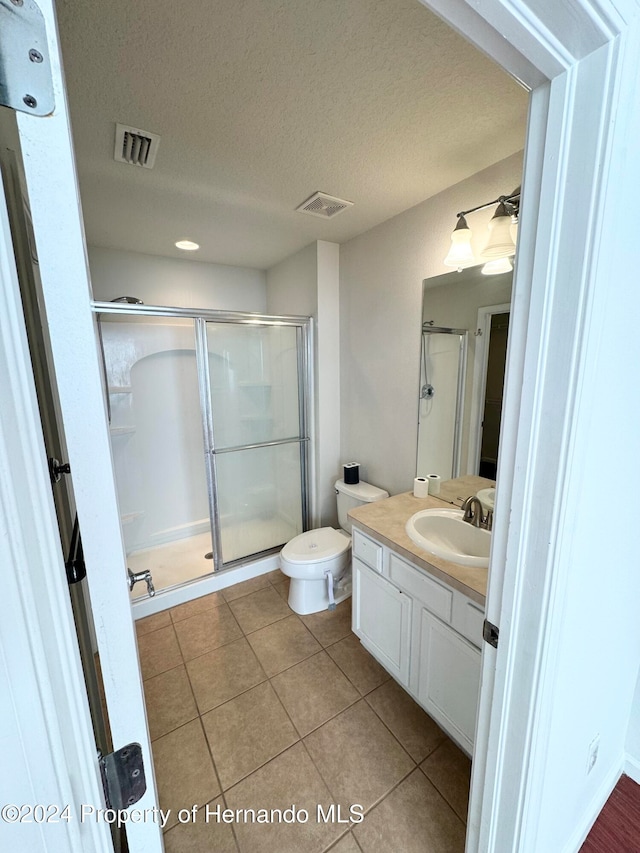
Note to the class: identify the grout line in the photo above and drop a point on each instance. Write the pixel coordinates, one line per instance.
(442, 797)
(264, 764)
(442, 794)
(213, 761)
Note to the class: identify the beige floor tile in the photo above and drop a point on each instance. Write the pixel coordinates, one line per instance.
(329, 626)
(184, 770)
(415, 729)
(238, 590)
(258, 609)
(282, 588)
(347, 844)
(357, 756)
(276, 577)
(283, 644)
(314, 691)
(152, 623)
(450, 771)
(196, 605)
(207, 631)
(288, 779)
(169, 701)
(364, 672)
(413, 819)
(224, 673)
(200, 836)
(158, 652)
(246, 732)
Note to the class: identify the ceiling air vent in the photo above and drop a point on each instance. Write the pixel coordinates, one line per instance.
(136, 147)
(323, 205)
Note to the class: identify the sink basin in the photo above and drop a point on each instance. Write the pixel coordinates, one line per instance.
(487, 498)
(443, 533)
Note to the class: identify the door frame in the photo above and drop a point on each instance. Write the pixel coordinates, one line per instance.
(44, 711)
(579, 61)
(479, 386)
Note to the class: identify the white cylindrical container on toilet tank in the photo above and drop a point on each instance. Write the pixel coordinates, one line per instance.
(319, 561)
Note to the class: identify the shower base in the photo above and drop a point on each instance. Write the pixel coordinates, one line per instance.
(183, 560)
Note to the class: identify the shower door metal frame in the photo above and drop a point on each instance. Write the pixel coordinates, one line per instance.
(463, 334)
(303, 327)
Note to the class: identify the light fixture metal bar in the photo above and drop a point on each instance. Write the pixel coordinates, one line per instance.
(505, 199)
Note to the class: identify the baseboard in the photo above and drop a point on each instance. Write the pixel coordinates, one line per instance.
(632, 767)
(596, 805)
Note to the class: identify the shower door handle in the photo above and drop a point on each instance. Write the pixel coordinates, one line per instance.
(141, 576)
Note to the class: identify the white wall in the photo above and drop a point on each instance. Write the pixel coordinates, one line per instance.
(381, 275)
(176, 282)
(307, 284)
(292, 285)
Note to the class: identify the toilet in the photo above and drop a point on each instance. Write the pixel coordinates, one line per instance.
(319, 561)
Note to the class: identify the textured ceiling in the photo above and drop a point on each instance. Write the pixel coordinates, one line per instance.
(259, 104)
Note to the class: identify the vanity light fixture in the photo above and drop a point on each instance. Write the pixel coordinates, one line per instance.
(460, 254)
(187, 245)
(500, 245)
(495, 267)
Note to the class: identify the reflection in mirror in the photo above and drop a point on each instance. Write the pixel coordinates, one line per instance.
(443, 368)
(459, 419)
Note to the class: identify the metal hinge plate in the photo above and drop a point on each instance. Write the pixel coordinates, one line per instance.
(123, 776)
(25, 71)
(490, 634)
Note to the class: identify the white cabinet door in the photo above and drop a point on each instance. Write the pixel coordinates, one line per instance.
(448, 678)
(382, 620)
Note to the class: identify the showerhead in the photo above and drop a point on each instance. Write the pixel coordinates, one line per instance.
(130, 300)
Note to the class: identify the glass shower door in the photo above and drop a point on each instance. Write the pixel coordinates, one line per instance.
(257, 436)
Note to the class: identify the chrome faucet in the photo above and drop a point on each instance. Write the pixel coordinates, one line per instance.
(472, 509)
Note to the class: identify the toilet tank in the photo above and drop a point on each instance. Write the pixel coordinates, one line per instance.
(353, 495)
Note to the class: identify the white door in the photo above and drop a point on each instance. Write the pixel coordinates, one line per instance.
(57, 219)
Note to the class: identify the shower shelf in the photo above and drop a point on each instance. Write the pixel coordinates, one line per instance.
(120, 389)
(122, 430)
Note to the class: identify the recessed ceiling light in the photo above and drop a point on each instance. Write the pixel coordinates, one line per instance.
(187, 245)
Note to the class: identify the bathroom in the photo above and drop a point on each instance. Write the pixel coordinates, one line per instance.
(349, 376)
(555, 738)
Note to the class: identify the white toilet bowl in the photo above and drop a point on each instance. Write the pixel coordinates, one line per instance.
(307, 558)
(319, 561)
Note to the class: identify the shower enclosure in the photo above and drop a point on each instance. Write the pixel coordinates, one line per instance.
(443, 366)
(209, 419)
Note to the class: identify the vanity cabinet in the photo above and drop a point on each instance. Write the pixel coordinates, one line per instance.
(382, 620)
(426, 634)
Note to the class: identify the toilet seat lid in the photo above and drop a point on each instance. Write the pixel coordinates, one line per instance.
(316, 545)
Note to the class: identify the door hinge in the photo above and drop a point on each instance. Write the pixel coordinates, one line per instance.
(490, 633)
(57, 468)
(123, 776)
(26, 84)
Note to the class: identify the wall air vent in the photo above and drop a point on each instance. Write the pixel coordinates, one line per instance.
(323, 205)
(136, 147)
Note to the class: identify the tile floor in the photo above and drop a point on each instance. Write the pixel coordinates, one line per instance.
(252, 706)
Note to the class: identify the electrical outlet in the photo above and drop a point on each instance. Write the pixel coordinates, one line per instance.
(592, 755)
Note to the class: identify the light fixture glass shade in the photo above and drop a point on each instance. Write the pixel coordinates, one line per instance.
(460, 255)
(500, 243)
(500, 265)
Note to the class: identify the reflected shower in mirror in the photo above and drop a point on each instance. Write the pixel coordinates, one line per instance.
(465, 322)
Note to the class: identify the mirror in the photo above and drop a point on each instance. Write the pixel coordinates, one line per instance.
(465, 325)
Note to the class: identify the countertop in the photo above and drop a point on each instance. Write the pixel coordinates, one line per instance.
(385, 521)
